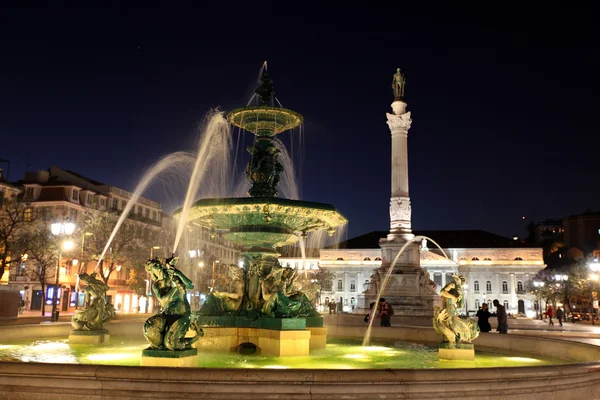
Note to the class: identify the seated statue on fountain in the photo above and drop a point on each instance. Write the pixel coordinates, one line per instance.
(281, 299)
(96, 311)
(168, 328)
(446, 320)
(226, 303)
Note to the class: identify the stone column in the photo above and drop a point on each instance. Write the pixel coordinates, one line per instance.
(400, 209)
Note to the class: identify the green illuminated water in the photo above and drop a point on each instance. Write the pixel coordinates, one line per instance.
(339, 354)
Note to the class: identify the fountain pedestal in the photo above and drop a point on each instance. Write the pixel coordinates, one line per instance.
(460, 351)
(272, 337)
(99, 336)
(169, 358)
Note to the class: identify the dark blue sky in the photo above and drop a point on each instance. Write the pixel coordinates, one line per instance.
(504, 101)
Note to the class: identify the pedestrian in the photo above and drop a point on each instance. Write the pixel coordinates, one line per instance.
(385, 312)
(560, 314)
(502, 317)
(550, 314)
(368, 316)
(332, 307)
(483, 318)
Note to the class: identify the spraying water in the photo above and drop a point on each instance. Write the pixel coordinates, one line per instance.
(367, 338)
(287, 183)
(214, 147)
(170, 161)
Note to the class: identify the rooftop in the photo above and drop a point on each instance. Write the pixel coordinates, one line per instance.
(474, 238)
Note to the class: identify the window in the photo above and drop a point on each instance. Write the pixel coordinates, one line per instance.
(73, 214)
(448, 277)
(506, 304)
(122, 205)
(140, 211)
(154, 215)
(102, 201)
(437, 278)
(367, 259)
(476, 286)
(75, 196)
(504, 287)
(520, 287)
(487, 259)
(147, 213)
(488, 287)
(339, 259)
(377, 258)
(474, 259)
(518, 259)
(352, 286)
(28, 214)
(90, 198)
(489, 304)
(115, 204)
(29, 193)
(477, 304)
(340, 285)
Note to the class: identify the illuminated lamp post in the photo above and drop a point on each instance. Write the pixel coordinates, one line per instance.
(594, 266)
(64, 228)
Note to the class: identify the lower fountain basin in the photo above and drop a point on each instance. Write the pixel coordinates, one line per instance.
(578, 377)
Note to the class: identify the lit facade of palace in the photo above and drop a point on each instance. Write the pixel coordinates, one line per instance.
(501, 273)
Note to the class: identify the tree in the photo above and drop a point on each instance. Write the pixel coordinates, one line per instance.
(14, 215)
(42, 255)
(136, 280)
(324, 278)
(126, 246)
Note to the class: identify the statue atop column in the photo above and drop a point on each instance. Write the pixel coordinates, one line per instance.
(398, 84)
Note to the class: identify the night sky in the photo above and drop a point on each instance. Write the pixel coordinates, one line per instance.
(503, 100)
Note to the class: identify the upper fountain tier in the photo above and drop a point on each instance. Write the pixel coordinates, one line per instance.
(263, 222)
(265, 119)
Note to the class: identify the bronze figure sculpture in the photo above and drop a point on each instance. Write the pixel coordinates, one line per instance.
(446, 320)
(96, 311)
(168, 328)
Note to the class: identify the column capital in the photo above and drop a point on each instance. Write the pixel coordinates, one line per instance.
(399, 123)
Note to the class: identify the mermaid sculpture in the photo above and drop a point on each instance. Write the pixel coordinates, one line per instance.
(168, 329)
(446, 320)
(96, 312)
(226, 302)
(281, 299)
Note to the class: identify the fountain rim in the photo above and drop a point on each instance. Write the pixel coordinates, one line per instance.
(295, 118)
(276, 201)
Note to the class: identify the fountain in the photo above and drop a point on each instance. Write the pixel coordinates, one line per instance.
(260, 309)
(263, 310)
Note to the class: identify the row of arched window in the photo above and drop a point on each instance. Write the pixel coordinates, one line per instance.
(365, 259)
(488, 287)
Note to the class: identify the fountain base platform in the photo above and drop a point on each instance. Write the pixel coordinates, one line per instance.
(278, 337)
(169, 358)
(99, 336)
(460, 351)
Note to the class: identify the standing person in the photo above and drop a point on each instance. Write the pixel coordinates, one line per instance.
(502, 317)
(385, 312)
(550, 314)
(560, 314)
(483, 320)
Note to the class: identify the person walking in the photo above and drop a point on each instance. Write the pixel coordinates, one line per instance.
(502, 317)
(483, 318)
(550, 314)
(560, 314)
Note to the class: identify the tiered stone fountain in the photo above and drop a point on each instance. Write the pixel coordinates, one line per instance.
(262, 308)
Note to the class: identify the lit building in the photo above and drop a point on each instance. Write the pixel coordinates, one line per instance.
(495, 267)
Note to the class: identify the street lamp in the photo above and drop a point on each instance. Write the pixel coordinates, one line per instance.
(538, 286)
(152, 249)
(594, 266)
(59, 229)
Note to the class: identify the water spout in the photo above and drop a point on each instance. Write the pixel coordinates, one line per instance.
(215, 144)
(373, 312)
